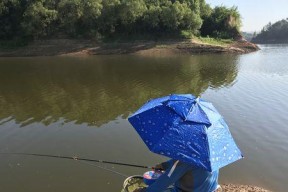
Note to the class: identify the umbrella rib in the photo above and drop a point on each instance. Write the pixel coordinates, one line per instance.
(190, 110)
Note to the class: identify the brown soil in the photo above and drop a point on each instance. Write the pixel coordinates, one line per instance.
(89, 47)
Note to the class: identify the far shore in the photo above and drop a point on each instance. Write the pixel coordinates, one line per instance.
(57, 47)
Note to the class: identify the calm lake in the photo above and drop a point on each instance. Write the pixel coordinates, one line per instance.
(78, 106)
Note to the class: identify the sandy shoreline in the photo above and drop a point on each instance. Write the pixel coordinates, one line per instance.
(88, 47)
(241, 188)
(135, 182)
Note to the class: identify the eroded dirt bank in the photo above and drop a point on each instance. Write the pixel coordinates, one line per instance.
(89, 47)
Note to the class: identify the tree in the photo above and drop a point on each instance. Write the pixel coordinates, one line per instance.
(70, 12)
(79, 16)
(88, 18)
(131, 10)
(191, 20)
(37, 19)
(171, 15)
(205, 9)
(92, 10)
(273, 33)
(222, 23)
(109, 18)
(152, 17)
(11, 14)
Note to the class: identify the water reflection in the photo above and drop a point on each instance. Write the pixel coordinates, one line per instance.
(96, 90)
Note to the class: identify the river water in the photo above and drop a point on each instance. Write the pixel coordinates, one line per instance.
(78, 106)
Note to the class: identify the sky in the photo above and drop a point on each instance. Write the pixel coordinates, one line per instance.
(256, 13)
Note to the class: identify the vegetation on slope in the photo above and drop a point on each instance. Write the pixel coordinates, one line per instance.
(273, 33)
(98, 19)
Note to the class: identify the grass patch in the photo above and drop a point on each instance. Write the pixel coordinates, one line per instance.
(186, 34)
(214, 41)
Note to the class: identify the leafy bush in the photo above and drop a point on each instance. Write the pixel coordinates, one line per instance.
(87, 18)
(223, 22)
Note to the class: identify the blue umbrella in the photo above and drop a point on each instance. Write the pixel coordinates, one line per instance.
(188, 129)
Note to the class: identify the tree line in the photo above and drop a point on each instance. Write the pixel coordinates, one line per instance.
(37, 19)
(273, 33)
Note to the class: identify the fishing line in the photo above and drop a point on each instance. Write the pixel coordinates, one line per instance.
(104, 168)
(80, 160)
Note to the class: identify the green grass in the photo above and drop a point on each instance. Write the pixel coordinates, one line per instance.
(214, 41)
(186, 34)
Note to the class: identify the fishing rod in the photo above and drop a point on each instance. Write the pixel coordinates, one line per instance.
(79, 159)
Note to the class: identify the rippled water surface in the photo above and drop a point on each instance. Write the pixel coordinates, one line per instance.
(78, 106)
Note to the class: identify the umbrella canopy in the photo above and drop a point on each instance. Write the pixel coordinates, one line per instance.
(188, 129)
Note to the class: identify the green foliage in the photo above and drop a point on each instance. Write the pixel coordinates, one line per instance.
(11, 12)
(273, 33)
(223, 22)
(191, 21)
(171, 15)
(37, 19)
(131, 11)
(187, 34)
(79, 16)
(214, 41)
(152, 16)
(6, 5)
(205, 10)
(92, 18)
(107, 21)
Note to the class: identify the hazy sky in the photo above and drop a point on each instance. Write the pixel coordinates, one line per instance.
(256, 13)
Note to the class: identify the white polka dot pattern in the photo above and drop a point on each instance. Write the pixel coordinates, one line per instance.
(186, 128)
